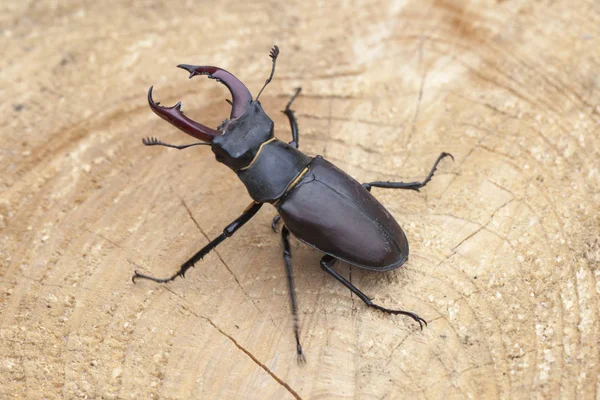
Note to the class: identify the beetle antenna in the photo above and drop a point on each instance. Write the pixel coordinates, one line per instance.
(273, 54)
(152, 141)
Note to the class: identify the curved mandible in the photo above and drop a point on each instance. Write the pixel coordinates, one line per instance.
(174, 116)
(240, 93)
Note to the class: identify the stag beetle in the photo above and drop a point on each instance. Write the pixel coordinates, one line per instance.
(320, 204)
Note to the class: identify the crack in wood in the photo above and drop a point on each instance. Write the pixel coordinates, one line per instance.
(243, 349)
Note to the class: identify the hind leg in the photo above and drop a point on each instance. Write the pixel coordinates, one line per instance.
(328, 261)
(408, 185)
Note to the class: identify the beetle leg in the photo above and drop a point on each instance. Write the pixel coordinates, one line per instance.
(287, 258)
(293, 123)
(328, 261)
(274, 223)
(408, 185)
(295, 140)
(229, 230)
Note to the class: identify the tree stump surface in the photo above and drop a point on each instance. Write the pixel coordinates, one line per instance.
(505, 247)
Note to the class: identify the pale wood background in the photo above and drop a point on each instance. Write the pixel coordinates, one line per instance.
(504, 242)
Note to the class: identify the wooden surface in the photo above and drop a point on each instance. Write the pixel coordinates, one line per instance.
(504, 241)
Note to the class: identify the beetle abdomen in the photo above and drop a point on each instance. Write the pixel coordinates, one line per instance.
(331, 211)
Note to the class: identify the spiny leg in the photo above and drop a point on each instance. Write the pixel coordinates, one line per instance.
(287, 258)
(229, 230)
(408, 185)
(275, 222)
(328, 261)
(293, 122)
(152, 141)
(295, 139)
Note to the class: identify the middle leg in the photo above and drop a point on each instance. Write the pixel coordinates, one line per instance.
(287, 258)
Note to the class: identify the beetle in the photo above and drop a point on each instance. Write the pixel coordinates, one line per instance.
(318, 203)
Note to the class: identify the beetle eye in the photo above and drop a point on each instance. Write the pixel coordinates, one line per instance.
(231, 125)
(222, 125)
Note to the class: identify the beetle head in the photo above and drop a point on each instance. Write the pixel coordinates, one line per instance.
(242, 137)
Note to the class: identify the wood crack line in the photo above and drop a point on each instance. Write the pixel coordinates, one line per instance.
(250, 355)
(239, 346)
(256, 360)
(481, 227)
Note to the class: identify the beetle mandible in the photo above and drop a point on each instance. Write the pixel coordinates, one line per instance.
(320, 204)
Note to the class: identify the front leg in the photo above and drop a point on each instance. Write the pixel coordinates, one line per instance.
(293, 123)
(295, 139)
(229, 230)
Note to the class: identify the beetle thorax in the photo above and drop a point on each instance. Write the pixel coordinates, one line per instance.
(242, 137)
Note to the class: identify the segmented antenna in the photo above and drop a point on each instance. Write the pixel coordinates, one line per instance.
(153, 141)
(273, 54)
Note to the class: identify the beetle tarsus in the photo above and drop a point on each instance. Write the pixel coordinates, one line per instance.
(414, 316)
(274, 223)
(137, 275)
(408, 185)
(300, 355)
